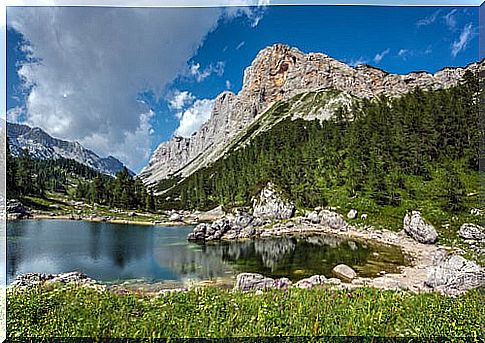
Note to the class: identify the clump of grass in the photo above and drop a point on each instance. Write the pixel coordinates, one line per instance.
(210, 312)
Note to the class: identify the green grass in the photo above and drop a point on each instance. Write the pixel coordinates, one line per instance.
(63, 208)
(210, 312)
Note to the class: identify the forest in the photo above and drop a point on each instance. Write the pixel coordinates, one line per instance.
(35, 177)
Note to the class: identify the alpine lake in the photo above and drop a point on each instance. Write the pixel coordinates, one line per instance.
(127, 253)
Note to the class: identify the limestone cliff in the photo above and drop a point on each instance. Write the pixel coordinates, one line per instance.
(280, 72)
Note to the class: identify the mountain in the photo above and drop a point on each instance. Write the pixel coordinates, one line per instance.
(43, 146)
(276, 76)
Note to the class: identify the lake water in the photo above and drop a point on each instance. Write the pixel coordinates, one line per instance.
(116, 252)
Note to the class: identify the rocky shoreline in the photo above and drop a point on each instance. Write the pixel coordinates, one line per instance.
(432, 267)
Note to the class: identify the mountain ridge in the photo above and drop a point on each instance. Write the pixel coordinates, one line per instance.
(41, 145)
(277, 73)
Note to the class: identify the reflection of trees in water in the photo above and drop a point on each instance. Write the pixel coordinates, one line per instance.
(190, 261)
(284, 256)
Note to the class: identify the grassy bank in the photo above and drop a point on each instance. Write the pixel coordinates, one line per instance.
(210, 312)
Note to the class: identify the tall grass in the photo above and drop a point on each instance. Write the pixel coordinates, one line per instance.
(71, 311)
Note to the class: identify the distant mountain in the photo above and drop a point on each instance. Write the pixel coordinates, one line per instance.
(43, 146)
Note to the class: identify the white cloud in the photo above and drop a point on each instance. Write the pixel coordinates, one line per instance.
(180, 99)
(378, 57)
(358, 61)
(428, 20)
(404, 53)
(200, 75)
(194, 117)
(450, 19)
(228, 84)
(14, 114)
(240, 45)
(465, 36)
(92, 63)
(253, 10)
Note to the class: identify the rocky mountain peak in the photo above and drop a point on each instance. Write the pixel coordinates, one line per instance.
(279, 72)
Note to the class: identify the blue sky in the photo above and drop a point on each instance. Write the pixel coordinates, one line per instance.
(122, 81)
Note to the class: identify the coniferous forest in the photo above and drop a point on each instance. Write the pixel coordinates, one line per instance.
(35, 177)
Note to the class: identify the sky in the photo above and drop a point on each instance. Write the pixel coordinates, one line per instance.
(122, 80)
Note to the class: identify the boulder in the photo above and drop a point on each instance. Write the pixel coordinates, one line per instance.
(230, 227)
(472, 232)
(332, 220)
(454, 275)
(253, 281)
(313, 217)
(175, 217)
(16, 210)
(270, 205)
(352, 214)
(418, 229)
(31, 279)
(312, 281)
(345, 272)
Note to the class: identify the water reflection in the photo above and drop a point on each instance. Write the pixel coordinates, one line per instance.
(113, 252)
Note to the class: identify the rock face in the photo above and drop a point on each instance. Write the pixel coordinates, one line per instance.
(280, 72)
(418, 229)
(41, 145)
(472, 232)
(345, 272)
(454, 274)
(270, 205)
(15, 210)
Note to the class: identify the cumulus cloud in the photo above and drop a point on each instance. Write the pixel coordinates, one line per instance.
(461, 43)
(88, 65)
(180, 99)
(194, 117)
(378, 57)
(195, 71)
(93, 63)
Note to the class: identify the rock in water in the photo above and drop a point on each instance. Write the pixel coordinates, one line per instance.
(472, 232)
(270, 205)
(345, 272)
(418, 229)
(454, 275)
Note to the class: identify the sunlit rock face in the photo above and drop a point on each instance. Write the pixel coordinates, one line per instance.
(280, 72)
